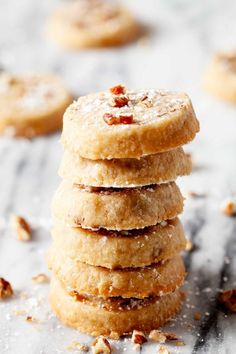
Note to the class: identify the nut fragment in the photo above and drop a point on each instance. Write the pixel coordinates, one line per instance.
(21, 227)
(229, 207)
(77, 345)
(228, 299)
(40, 278)
(111, 119)
(197, 316)
(118, 90)
(138, 337)
(163, 350)
(101, 346)
(157, 336)
(5, 289)
(188, 246)
(119, 101)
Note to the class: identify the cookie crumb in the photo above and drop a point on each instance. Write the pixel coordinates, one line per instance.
(101, 346)
(189, 246)
(228, 299)
(157, 336)
(138, 337)
(40, 278)
(5, 289)
(163, 350)
(229, 207)
(21, 228)
(77, 345)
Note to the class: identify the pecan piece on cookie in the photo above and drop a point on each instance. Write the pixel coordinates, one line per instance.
(117, 90)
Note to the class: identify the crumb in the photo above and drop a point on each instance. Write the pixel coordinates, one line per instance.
(193, 194)
(40, 278)
(21, 228)
(197, 316)
(189, 246)
(163, 350)
(77, 345)
(144, 41)
(229, 207)
(179, 343)
(157, 336)
(5, 289)
(228, 299)
(101, 346)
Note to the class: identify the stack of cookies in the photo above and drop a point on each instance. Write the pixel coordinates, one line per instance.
(117, 240)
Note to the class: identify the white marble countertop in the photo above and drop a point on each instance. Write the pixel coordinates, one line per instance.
(183, 36)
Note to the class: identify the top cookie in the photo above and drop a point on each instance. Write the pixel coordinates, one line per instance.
(32, 104)
(91, 23)
(220, 78)
(121, 123)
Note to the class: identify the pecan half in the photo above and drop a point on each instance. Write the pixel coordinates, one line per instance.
(5, 289)
(117, 90)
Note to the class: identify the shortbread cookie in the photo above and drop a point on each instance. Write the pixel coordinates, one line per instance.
(116, 209)
(112, 317)
(91, 23)
(128, 124)
(112, 249)
(157, 279)
(151, 169)
(220, 77)
(31, 105)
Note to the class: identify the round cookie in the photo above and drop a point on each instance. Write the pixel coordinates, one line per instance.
(112, 317)
(151, 169)
(111, 249)
(220, 78)
(116, 209)
(131, 124)
(91, 23)
(157, 279)
(31, 105)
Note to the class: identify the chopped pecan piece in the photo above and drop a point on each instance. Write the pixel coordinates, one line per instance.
(21, 227)
(228, 299)
(118, 90)
(111, 119)
(138, 337)
(126, 119)
(101, 346)
(120, 101)
(197, 316)
(5, 289)
(40, 278)
(229, 207)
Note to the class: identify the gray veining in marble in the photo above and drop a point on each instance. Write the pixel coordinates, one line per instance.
(183, 36)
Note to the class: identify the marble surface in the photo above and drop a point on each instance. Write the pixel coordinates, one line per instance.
(182, 37)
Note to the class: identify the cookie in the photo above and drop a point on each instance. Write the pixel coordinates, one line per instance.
(91, 23)
(131, 124)
(112, 317)
(112, 249)
(116, 209)
(220, 78)
(157, 279)
(151, 169)
(31, 105)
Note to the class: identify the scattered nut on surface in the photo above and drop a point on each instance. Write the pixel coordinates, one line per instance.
(5, 289)
(193, 194)
(77, 345)
(197, 316)
(229, 207)
(163, 350)
(138, 337)
(228, 299)
(188, 246)
(157, 336)
(21, 227)
(40, 278)
(101, 346)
